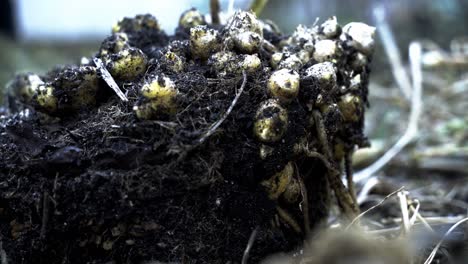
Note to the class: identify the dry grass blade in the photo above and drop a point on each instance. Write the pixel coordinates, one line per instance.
(419, 216)
(109, 79)
(392, 51)
(373, 207)
(436, 220)
(403, 199)
(436, 248)
(415, 211)
(363, 194)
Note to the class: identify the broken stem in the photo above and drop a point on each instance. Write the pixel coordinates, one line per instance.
(257, 6)
(346, 202)
(214, 11)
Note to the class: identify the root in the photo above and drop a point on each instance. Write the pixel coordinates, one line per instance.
(215, 125)
(286, 217)
(349, 175)
(305, 201)
(252, 237)
(322, 134)
(350, 209)
(345, 200)
(45, 214)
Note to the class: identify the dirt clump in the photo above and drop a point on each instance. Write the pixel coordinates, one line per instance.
(223, 130)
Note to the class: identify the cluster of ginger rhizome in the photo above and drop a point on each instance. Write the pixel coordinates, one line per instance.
(221, 130)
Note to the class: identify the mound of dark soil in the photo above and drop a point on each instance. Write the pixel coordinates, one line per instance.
(83, 179)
